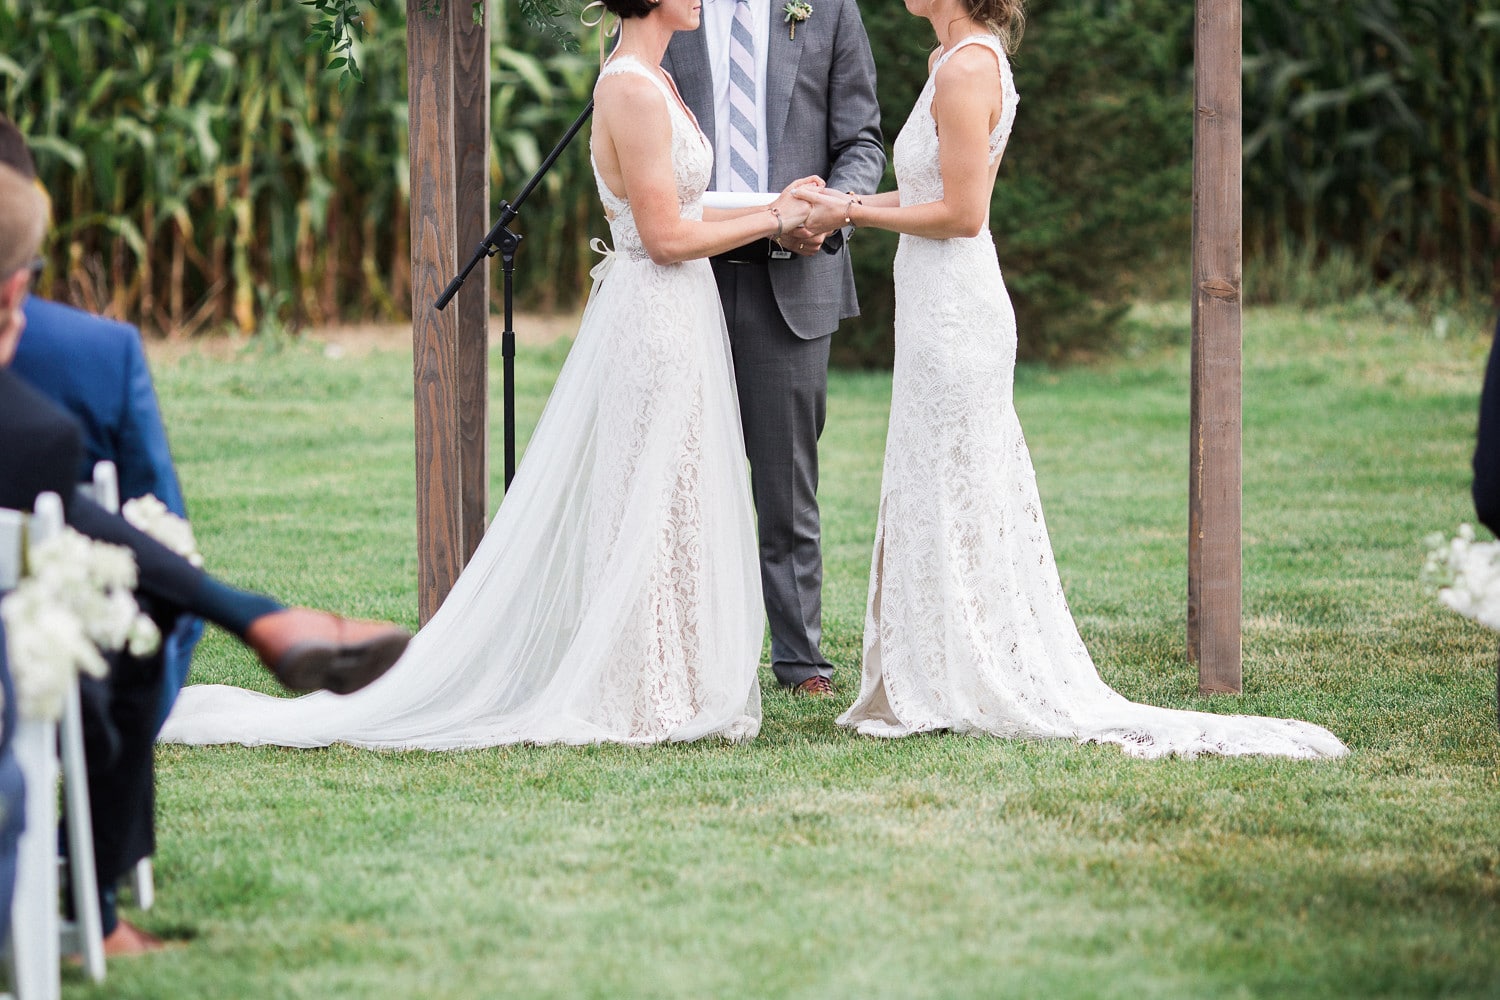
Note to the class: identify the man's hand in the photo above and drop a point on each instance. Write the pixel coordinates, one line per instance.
(803, 241)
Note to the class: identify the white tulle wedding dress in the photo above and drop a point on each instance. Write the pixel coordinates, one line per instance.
(967, 628)
(616, 597)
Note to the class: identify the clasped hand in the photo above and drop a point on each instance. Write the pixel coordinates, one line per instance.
(828, 208)
(800, 235)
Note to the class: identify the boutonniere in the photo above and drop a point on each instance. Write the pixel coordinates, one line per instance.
(796, 12)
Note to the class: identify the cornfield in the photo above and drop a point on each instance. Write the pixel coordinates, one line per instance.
(208, 171)
(1373, 129)
(206, 168)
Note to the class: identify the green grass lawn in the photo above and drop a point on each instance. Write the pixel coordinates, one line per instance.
(815, 863)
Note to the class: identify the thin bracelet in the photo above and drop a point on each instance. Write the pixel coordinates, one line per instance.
(776, 212)
(848, 219)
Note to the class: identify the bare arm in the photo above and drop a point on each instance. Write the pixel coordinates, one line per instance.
(633, 146)
(966, 105)
(724, 214)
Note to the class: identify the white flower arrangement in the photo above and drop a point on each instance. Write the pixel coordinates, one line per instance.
(150, 516)
(1465, 575)
(76, 600)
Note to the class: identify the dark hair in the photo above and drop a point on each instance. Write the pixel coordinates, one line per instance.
(14, 152)
(631, 8)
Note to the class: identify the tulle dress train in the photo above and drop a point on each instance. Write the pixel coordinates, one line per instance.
(616, 596)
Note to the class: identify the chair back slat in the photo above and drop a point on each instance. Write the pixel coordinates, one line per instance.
(12, 547)
(46, 518)
(104, 490)
(17, 528)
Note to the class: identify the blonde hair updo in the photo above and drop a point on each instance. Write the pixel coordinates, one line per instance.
(1006, 18)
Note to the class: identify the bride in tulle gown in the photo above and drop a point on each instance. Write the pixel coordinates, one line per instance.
(966, 626)
(616, 596)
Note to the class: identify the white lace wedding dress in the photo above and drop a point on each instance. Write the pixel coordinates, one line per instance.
(616, 597)
(967, 628)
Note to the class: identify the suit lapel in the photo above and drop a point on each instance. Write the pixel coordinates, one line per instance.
(782, 57)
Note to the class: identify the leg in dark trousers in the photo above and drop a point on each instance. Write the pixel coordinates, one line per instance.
(783, 388)
(1487, 459)
(117, 742)
(119, 735)
(1487, 450)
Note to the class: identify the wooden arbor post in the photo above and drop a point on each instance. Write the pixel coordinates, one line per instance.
(448, 79)
(1214, 489)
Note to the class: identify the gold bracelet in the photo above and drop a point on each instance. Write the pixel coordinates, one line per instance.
(779, 224)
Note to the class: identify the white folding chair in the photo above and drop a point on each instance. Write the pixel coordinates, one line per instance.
(105, 491)
(37, 939)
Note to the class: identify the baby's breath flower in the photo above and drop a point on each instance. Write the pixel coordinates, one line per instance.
(1465, 575)
(75, 601)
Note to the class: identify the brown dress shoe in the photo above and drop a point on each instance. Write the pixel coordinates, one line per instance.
(815, 687)
(315, 651)
(128, 939)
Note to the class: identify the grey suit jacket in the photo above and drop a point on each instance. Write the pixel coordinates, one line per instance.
(821, 118)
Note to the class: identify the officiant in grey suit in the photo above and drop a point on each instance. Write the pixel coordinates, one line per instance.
(784, 97)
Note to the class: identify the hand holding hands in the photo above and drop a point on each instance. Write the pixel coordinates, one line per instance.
(796, 236)
(829, 208)
(792, 210)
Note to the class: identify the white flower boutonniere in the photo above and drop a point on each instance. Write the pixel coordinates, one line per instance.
(796, 12)
(75, 600)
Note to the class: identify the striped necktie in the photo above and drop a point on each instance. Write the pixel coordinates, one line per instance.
(744, 145)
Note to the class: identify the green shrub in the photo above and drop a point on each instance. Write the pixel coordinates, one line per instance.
(1094, 194)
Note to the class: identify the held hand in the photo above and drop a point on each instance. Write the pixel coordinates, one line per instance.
(823, 195)
(829, 208)
(803, 241)
(827, 214)
(792, 211)
(812, 182)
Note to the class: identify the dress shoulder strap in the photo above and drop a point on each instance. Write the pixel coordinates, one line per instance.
(630, 64)
(984, 38)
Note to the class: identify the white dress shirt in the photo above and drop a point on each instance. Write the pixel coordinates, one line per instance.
(718, 15)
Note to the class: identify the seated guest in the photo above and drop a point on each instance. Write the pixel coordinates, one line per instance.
(96, 369)
(306, 650)
(1487, 450)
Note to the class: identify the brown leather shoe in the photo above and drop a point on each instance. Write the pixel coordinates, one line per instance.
(815, 687)
(128, 939)
(315, 651)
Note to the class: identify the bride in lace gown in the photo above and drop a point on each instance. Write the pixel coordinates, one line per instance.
(616, 596)
(966, 627)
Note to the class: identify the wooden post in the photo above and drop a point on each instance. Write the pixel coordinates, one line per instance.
(471, 144)
(1214, 490)
(440, 551)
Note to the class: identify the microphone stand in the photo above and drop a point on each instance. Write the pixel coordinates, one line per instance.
(504, 242)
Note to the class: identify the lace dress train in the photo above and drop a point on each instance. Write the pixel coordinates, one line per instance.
(967, 627)
(616, 596)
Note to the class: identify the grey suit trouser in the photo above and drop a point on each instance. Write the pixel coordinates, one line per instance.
(783, 388)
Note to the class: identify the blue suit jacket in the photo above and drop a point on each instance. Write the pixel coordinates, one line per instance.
(95, 368)
(12, 794)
